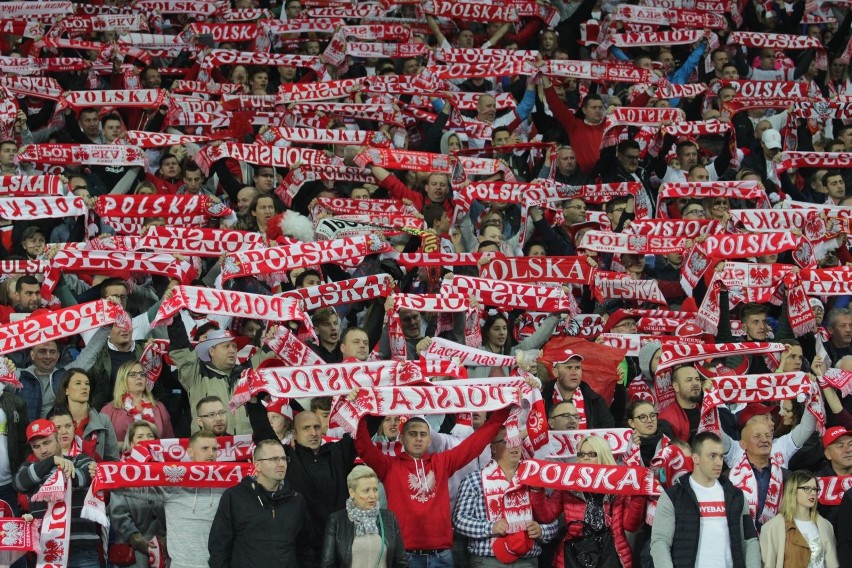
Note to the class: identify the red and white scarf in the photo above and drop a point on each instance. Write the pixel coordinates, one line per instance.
(19, 185)
(471, 11)
(231, 449)
(55, 535)
(445, 302)
(319, 91)
(565, 443)
(839, 379)
(405, 160)
(615, 285)
(603, 71)
(144, 139)
(283, 135)
(589, 478)
(19, 537)
(579, 404)
(343, 292)
(83, 154)
(514, 295)
(622, 243)
(740, 190)
(261, 154)
(821, 160)
(111, 476)
(196, 241)
(440, 348)
(26, 208)
(565, 269)
(146, 412)
(136, 98)
(194, 87)
(168, 206)
(670, 17)
(827, 281)
(440, 259)
(742, 476)
(290, 349)
(505, 498)
(782, 42)
(833, 488)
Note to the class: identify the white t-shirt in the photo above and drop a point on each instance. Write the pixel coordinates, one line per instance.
(714, 540)
(811, 533)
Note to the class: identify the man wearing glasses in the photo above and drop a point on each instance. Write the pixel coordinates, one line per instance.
(262, 521)
(703, 521)
(212, 415)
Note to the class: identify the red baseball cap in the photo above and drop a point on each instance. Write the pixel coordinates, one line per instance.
(752, 410)
(509, 548)
(833, 434)
(566, 355)
(39, 429)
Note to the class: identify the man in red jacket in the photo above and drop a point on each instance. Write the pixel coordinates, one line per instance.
(683, 415)
(416, 483)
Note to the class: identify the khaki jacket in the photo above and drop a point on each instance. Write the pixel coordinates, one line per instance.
(782, 545)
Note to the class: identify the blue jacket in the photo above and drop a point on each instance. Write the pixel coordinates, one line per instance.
(31, 391)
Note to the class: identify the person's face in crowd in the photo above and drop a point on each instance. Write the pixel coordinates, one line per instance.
(491, 233)
(720, 59)
(688, 156)
(279, 423)
(667, 59)
(312, 47)
(629, 160)
(757, 438)
(264, 180)
(411, 67)
(117, 291)
(193, 181)
(730, 73)
(270, 461)
(836, 68)
(454, 143)
(693, 210)
(259, 82)
(586, 454)
(145, 189)
(627, 325)
(89, 124)
(785, 414)
(151, 79)
(34, 245)
(644, 63)
(244, 198)
(841, 330)
(699, 174)
(251, 328)
(141, 434)
(264, 211)
(214, 417)
(136, 380)
(287, 74)
(328, 331)
(839, 453)
(293, 10)
(120, 336)
(324, 418)
(112, 130)
(719, 208)
(416, 439)
(78, 388)
(819, 313)
(203, 450)
(767, 59)
(501, 138)
(390, 427)
(502, 453)
(224, 355)
(709, 460)
(29, 298)
(814, 31)
(574, 211)
(239, 75)
(45, 357)
(537, 250)
(8, 151)
(644, 420)
(756, 327)
(793, 361)
(437, 188)
(410, 323)
(846, 138)
(486, 109)
(569, 374)
(464, 39)
(170, 168)
(442, 224)
(726, 94)
(686, 383)
(360, 193)
(593, 110)
(563, 416)
(566, 161)
(46, 447)
(816, 182)
(836, 187)
(615, 216)
(499, 333)
(548, 41)
(806, 494)
(356, 345)
(64, 430)
(311, 280)
(308, 430)
(365, 494)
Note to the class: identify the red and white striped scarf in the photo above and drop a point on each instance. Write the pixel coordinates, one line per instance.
(742, 476)
(54, 539)
(25, 208)
(506, 499)
(146, 412)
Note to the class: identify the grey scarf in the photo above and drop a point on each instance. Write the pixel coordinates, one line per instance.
(364, 519)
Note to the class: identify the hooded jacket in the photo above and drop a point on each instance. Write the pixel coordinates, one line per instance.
(254, 527)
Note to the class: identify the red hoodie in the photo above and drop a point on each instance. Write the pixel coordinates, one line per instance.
(424, 519)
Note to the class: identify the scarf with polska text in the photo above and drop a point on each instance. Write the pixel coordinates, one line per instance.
(139, 98)
(565, 443)
(239, 102)
(169, 206)
(222, 57)
(348, 206)
(739, 190)
(833, 488)
(440, 259)
(197, 241)
(651, 39)
(506, 499)
(827, 281)
(59, 324)
(55, 534)
(838, 379)
(336, 379)
(260, 154)
(195, 87)
(603, 71)
(275, 262)
(41, 87)
(561, 269)
(780, 42)
(443, 303)
(471, 11)
(108, 262)
(283, 135)
(633, 342)
(716, 248)
(30, 186)
(548, 191)
(233, 304)
(589, 478)
(392, 159)
(295, 178)
(111, 476)
(27, 208)
(669, 17)
(147, 140)
(616, 285)
(320, 91)
(348, 291)
(513, 295)
(384, 50)
(82, 154)
(622, 117)
(821, 160)
(231, 449)
(621, 243)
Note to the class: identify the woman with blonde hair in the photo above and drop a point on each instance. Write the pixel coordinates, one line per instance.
(132, 401)
(363, 535)
(602, 516)
(799, 537)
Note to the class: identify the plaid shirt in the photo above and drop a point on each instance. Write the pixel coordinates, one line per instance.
(471, 520)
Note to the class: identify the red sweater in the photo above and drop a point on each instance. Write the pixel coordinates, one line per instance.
(585, 139)
(424, 520)
(399, 190)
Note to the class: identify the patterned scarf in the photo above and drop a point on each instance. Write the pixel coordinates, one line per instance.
(144, 413)
(364, 519)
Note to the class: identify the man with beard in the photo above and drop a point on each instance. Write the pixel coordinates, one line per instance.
(756, 327)
(212, 415)
(683, 416)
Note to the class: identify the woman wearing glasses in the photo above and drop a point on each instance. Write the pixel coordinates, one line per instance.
(593, 512)
(642, 417)
(132, 401)
(799, 537)
(363, 534)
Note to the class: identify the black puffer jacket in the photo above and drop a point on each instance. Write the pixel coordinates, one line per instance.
(340, 533)
(255, 528)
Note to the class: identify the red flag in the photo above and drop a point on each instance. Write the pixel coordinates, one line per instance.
(600, 362)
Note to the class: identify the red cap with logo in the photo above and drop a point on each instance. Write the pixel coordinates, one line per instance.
(509, 548)
(39, 429)
(833, 434)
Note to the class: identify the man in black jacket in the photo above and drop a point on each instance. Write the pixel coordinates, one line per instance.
(262, 521)
(703, 521)
(592, 409)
